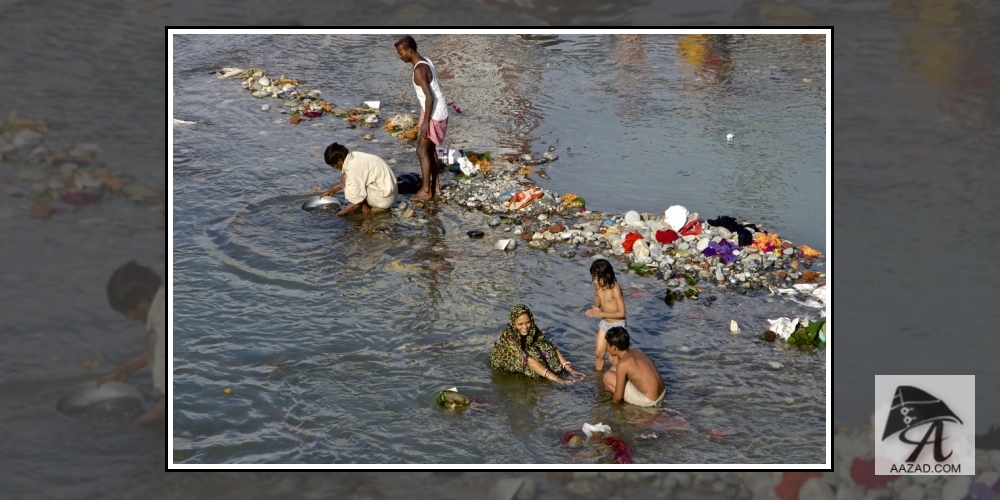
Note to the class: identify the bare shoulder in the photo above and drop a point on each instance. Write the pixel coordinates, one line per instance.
(423, 71)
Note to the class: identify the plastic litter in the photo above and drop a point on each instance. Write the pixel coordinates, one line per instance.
(451, 398)
(373, 104)
(733, 327)
(783, 327)
(590, 429)
(446, 156)
(676, 216)
(468, 168)
(524, 198)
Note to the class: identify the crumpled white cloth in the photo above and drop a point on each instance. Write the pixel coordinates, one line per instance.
(783, 326)
(590, 429)
(468, 168)
(676, 216)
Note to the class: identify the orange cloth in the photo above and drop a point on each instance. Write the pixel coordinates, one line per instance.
(524, 198)
(630, 240)
(766, 242)
(810, 252)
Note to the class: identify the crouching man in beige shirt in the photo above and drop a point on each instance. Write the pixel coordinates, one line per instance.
(366, 179)
(135, 292)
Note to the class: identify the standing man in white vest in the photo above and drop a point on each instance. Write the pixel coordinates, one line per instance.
(433, 115)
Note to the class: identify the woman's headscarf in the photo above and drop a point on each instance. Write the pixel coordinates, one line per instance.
(512, 350)
(511, 329)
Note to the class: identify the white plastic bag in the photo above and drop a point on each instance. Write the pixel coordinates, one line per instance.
(467, 167)
(784, 327)
(676, 216)
(589, 429)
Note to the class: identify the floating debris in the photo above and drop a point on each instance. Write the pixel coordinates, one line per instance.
(63, 173)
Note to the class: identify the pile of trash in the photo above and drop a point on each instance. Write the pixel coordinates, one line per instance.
(298, 102)
(679, 246)
(61, 178)
(599, 433)
(805, 333)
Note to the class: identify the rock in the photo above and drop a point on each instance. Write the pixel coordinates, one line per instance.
(769, 336)
(67, 168)
(567, 254)
(788, 251)
(539, 244)
(725, 233)
(702, 244)
(912, 492)
(549, 156)
(139, 192)
(526, 234)
(556, 228)
(989, 478)
(781, 274)
(368, 137)
(582, 488)
(265, 107)
(494, 222)
(809, 276)
(528, 491)
(718, 275)
(33, 174)
(408, 213)
(506, 245)
(775, 365)
(37, 155)
(878, 494)
(640, 250)
(816, 489)
(673, 283)
(26, 138)
(955, 488)
(506, 489)
(683, 246)
(475, 234)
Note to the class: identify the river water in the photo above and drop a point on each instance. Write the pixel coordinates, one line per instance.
(335, 342)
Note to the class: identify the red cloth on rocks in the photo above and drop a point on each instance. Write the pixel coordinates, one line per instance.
(791, 483)
(691, 228)
(630, 240)
(863, 473)
(666, 237)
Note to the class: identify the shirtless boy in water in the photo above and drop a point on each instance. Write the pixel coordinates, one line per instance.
(609, 305)
(635, 378)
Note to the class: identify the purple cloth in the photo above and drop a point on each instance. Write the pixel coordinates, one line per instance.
(723, 249)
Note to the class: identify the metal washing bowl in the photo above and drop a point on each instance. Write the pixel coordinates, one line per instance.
(321, 203)
(109, 401)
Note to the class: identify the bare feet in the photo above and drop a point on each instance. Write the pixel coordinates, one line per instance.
(421, 196)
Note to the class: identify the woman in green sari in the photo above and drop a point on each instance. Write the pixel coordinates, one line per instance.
(523, 349)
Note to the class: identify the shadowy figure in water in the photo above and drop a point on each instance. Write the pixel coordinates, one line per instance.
(135, 292)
